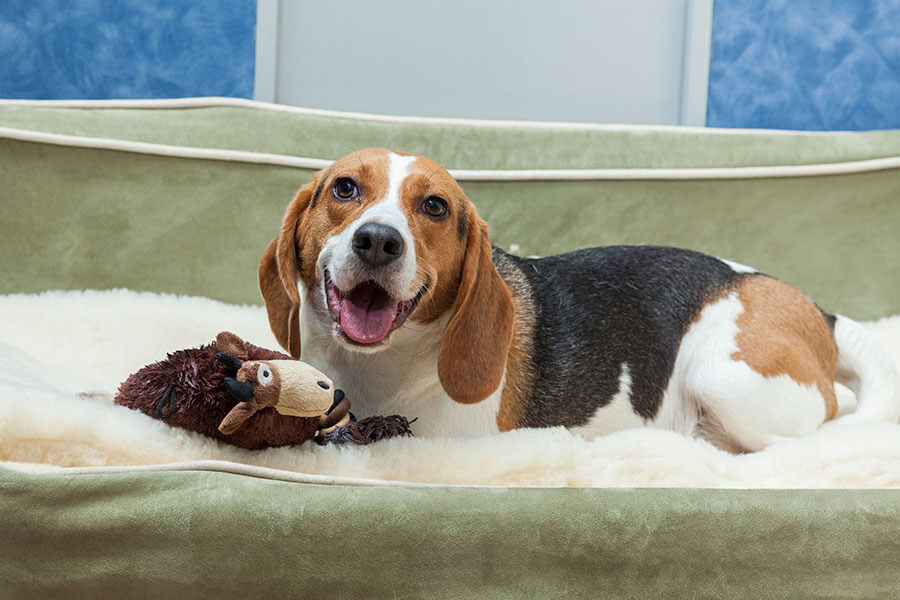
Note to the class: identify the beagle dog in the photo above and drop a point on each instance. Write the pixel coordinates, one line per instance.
(385, 272)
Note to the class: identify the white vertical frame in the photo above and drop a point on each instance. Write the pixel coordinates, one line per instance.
(265, 76)
(698, 19)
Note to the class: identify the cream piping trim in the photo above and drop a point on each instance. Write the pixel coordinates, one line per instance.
(222, 466)
(78, 141)
(214, 101)
(862, 166)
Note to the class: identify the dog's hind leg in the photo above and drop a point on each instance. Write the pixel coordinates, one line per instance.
(759, 365)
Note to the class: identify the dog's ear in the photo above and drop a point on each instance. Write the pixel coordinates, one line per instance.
(278, 271)
(282, 308)
(477, 337)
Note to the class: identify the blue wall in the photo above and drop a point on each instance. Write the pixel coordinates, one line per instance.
(126, 48)
(788, 64)
(805, 64)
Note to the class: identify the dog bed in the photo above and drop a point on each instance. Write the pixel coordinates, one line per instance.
(56, 409)
(181, 197)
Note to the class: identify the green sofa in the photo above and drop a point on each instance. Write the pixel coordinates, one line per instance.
(183, 196)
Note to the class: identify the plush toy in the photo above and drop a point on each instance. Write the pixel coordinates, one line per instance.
(250, 397)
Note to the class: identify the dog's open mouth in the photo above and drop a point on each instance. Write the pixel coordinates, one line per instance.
(367, 313)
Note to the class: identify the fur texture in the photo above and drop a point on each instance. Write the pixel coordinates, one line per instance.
(56, 346)
(202, 400)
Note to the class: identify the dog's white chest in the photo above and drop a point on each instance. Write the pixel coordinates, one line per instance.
(403, 381)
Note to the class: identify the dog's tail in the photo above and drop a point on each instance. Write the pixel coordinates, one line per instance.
(867, 368)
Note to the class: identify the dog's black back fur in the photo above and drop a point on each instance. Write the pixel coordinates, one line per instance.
(600, 307)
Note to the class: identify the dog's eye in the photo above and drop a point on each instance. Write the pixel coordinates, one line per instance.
(345, 189)
(264, 374)
(435, 207)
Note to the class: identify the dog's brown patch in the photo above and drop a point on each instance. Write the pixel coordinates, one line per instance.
(439, 248)
(519, 382)
(782, 332)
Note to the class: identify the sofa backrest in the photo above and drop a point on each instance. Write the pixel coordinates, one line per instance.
(182, 196)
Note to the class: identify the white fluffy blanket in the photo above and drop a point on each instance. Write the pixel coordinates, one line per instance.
(57, 344)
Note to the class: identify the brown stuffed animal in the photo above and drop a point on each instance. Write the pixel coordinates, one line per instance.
(250, 397)
(291, 387)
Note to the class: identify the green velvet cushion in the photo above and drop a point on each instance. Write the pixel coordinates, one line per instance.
(78, 217)
(217, 535)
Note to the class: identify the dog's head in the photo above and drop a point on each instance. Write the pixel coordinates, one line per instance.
(381, 238)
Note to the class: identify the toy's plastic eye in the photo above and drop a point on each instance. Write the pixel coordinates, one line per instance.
(323, 385)
(264, 374)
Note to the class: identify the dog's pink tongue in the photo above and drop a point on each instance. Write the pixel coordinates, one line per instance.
(367, 313)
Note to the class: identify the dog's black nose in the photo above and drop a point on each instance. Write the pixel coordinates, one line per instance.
(377, 244)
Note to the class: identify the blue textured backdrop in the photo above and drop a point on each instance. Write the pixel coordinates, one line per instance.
(805, 64)
(126, 48)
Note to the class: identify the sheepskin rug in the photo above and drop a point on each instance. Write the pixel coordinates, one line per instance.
(56, 346)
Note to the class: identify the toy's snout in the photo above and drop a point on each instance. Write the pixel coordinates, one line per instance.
(338, 414)
(304, 391)
(241, 390)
